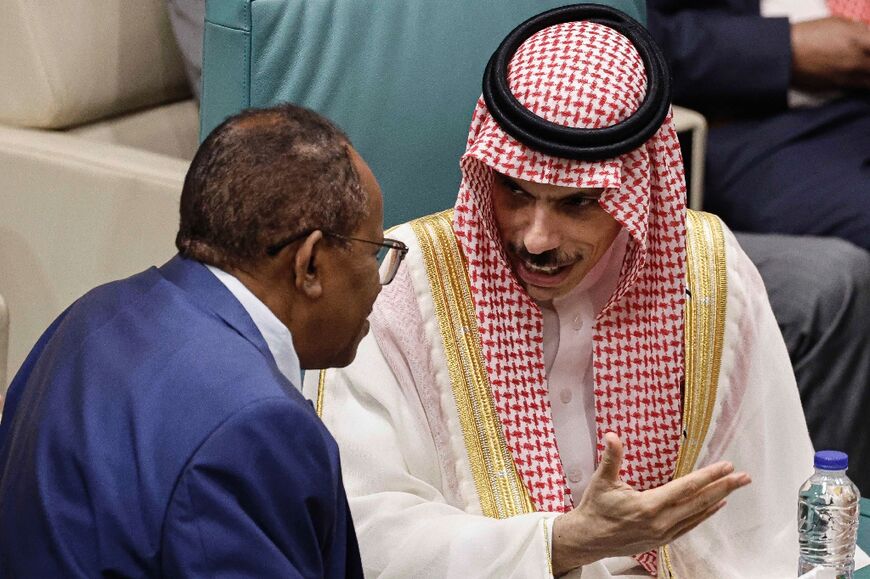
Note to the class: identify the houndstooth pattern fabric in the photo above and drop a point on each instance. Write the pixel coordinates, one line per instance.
(585, 75)
(858, 10)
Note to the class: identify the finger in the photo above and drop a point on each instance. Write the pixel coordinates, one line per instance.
(710, 495)
(688, 524)
(611, 460)
(690, 485)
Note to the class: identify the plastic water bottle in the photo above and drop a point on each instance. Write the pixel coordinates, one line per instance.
(828, 517)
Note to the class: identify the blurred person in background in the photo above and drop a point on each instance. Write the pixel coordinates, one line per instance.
(786, 87)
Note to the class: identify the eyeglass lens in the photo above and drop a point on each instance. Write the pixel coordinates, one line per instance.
(389, 259)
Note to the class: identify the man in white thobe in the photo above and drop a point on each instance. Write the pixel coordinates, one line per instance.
(570, 371)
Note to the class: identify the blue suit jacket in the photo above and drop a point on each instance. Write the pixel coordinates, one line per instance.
(150, 433)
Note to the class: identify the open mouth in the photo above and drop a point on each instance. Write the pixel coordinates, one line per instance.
(542, 276)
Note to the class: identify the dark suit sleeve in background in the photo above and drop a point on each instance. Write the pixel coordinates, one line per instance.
(723, 59)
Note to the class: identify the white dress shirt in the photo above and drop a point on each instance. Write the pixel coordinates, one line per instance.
(794, 10)
(568, 322)
(275, 333)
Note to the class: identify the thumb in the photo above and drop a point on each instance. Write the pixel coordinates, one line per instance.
(611, 460)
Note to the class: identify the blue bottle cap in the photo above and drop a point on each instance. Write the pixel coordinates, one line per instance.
(831, 460)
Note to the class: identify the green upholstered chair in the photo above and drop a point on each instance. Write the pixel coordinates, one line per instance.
(401, 77)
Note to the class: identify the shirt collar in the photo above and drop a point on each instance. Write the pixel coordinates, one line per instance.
(275, 333)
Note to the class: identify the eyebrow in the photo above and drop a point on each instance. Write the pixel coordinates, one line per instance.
(590, 193)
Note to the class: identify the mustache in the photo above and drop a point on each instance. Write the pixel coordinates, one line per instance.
(547, 259)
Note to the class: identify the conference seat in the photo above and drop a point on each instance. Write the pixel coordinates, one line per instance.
(97, 129)
(399, 76)
(4, 339)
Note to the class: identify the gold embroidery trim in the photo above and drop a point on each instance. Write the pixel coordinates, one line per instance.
(321, 393)
(502, 493)
(704, 336)
(666, 571)
(549, 549)
(705, 331)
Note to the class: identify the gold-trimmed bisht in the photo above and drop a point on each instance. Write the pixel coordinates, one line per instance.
(704, 336)
(502, 493)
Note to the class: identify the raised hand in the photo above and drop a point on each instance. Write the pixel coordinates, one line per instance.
(613, 519)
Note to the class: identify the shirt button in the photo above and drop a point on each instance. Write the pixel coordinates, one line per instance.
(575, 476)
(578, 323)
(565, 396)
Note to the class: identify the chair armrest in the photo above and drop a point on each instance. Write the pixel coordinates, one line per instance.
(75, 214)
(689, 121)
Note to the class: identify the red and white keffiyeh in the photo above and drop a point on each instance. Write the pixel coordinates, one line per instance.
(583, 74)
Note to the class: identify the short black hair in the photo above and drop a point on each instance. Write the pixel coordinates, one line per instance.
(264, 175)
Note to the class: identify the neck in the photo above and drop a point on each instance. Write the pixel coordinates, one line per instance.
(263, 284)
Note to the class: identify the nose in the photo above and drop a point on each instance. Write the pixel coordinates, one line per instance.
(541, 233)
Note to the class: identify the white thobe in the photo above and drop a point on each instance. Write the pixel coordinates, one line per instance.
(568, 322)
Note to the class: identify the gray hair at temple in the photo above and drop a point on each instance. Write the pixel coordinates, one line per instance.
(263, 175)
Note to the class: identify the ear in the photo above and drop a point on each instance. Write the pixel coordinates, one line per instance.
(307, 265)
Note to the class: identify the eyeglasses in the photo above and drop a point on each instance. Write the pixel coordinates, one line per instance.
(390, 254)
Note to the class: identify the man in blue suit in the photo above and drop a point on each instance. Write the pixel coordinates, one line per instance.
(156, 429)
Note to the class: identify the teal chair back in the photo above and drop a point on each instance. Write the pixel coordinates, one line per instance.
(400, 77)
